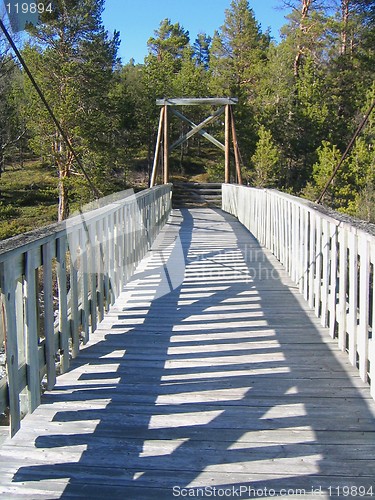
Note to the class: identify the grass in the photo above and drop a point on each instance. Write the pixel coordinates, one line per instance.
(28, 198)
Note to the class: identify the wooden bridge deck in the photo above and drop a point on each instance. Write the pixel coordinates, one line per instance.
(216, 377)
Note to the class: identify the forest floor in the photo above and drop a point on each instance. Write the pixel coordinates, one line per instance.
(28, 198)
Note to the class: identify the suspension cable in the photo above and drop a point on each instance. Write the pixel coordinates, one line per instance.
(350, 145)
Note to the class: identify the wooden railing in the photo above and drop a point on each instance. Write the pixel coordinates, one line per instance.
(330, 256)
(56, 284)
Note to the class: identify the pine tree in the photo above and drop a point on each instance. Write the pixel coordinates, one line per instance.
(201, 48)
(238, 58)
(238, 50)
(265, 161)
(72, 58)
(169, 39)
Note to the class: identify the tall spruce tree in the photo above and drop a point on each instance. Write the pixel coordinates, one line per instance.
(238, 57)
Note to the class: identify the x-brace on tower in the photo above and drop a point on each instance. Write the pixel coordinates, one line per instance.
(163, 136)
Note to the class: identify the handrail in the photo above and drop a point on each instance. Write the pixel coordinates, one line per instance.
(330, 256)
(57, 282)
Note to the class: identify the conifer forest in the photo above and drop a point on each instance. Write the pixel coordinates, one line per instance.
(300, 101)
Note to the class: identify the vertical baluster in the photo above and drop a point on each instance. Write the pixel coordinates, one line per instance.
(83, 234)
(318, 264)
(312, 264)
(325, 272)
(372, 341)
(74, 308)
(100, 269)
(32, 331)
(50, 351)
(306, 236)
(8, 287)
(111, 258)
(93, 275)
(364, 291)
(64, 331)
(353, 297)
(343, 284)
(334, 256)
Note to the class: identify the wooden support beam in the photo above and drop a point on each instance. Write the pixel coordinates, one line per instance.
(157, 148)
(197, 128)
(166, 146)
(203, 133)
(227, 144)
(235, 147)
(208, 101)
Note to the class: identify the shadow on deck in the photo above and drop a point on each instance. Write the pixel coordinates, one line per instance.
(226, 381)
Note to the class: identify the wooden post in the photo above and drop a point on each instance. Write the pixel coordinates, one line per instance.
(157, 149)
(48, 254)
(236, 148)
(31, 331)
(166, 146)
(8, 286)
(227, 144)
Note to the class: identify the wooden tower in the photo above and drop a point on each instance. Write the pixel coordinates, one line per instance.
(162, 143)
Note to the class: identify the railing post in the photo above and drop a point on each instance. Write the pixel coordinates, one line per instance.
(227, 144)
(48, 315)
(31, 332)
(8, 287)
(166, 145)
(64, 330)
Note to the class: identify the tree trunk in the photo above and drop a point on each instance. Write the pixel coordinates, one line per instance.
(63, 199)
(344, 31)
(64, 164)
(306, 4)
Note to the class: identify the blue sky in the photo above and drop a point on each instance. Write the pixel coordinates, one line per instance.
(138, 19)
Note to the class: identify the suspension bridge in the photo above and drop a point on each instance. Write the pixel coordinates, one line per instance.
(199, 351)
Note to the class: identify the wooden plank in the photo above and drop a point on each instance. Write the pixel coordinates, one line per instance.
(326, 259)
(32, 332)
(93, 260)
(372, 340)
(353, 297)
(334, 280)
(235, 146)
(100, 269)
(157, 148)
(364, 306)
(84, 243)
(105, 258)
(318, 266)
(208, 121)
(49, 331)
(74, 306)
(166, 146)
(8, 286)
(64, 330)
(202, 132)
(343, 284)
(306, 235)
(227, 145)
(198, 101)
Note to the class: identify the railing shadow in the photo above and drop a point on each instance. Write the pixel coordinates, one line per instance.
(223, 382)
